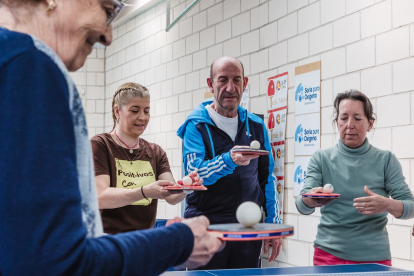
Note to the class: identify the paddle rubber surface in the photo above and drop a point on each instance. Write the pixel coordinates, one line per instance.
(320, 195)
(180, 188)
(250, 151)
(239, 232)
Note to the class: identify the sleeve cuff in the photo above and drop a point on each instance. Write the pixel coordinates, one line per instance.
(408, 212)
(273, 220)
(229, 162)
(302, 207)
(187, 237)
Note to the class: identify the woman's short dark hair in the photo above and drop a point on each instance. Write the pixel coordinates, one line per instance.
(355, 95)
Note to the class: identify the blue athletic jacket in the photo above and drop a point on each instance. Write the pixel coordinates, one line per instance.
(206, 149)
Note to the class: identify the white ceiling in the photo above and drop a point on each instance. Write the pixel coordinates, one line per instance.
(139, 6)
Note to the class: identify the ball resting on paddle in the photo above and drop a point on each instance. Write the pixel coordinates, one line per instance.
(187, 181)
(255, 144)
(328, 188)
(248, 213)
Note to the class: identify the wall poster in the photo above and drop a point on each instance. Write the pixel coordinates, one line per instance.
(307, 120)
(245, 98)
(277, 88)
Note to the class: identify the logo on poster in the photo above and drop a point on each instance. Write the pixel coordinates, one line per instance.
(300, 176)
(299, 134)
(281, 118)
(272, 88)
(278, 157)
(271, 92)
(279, 188)
(308, 135)
(309, 93)
(281, 84)
(299, 93)
(271, 125)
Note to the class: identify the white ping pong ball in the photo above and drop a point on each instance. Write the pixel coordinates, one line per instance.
(328, 188)
(187, 181)
(255, 144)
(248, 213)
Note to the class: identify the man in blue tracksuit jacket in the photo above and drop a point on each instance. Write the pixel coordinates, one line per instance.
(209, 134)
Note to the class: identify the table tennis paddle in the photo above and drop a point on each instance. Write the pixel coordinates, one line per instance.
(182, 188)
(321, 195)
(250, 151)
(239, 232)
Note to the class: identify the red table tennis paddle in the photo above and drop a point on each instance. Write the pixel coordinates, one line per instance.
(239, 232)
(180, 182)
(321, 195)
(182, 188)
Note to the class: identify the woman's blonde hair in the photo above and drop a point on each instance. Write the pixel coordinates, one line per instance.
(124, 94)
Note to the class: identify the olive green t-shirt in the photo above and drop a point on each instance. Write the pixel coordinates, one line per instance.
(129, 171)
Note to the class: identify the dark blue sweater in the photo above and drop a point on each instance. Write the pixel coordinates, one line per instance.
(41, 228)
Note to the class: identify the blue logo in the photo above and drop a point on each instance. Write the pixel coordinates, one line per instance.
(298, 175)
(306, 135)
(306, 94)
(299, 133)
(299, 93)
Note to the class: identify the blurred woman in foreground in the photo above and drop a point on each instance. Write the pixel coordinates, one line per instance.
(50, 221)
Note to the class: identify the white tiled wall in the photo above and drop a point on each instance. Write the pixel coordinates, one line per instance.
(362, 44)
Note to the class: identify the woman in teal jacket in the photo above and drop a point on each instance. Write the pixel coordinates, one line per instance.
(352, 228)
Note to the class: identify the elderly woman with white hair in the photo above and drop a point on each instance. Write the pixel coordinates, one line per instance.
(50, 221)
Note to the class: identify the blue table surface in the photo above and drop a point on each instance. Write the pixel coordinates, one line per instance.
(303, 270)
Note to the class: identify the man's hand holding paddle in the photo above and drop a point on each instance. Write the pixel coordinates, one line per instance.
(242, 159)
(205, 245)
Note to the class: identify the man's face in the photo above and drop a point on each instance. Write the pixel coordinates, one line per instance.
(228, 84)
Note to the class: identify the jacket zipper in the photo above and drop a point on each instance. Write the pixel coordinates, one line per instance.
(237, 187)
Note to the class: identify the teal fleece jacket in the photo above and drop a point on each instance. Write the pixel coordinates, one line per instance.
(343, 231)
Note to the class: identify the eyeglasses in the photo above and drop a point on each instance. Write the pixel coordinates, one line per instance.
(118, 5)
